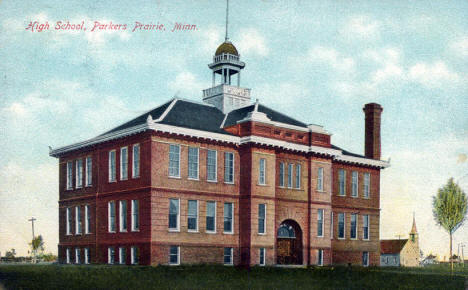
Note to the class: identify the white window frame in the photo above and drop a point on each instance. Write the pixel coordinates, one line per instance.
(196, 217)
(264, 219)
(227, 168)
(191, 175)
(211, 231)
(87, 218)
(111, 224)
(368, 227)
(123, 216)
(344, 226)
(135, 160)
(86, 255)
(320, 179)
(112, 169)
(341, 180)
(298, 175)
(367, 260)
(322, 212)
(79, 173)
(68, 221)
(354, 184)
(135, 215)
(366, 189)
(89, 171)
(178, 256)
(290, 175)
(177, 228)
(134, 259)
(77, 256)
(281, 174)
(78, 221)
(122, 256)
(231, 256)
(124, 163)
(331, 224)
(262, 171)
(215, 166)
(320, 257)
(262, 262)
(69, 175)
(67, 254)
(351, 226)
(232, 218)
(172, 168)
(110, 255)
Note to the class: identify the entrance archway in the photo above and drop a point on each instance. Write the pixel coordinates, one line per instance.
(289, 243)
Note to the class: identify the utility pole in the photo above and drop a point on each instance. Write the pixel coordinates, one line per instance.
(32, 219)
(463, 256)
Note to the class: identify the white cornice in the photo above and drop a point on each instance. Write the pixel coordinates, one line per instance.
(362, 161)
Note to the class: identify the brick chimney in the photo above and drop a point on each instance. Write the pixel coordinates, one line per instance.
(373, 112)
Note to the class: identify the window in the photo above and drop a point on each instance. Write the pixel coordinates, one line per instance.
(228, 209)
(320, 257)
(174, 255)
(122, 257)
(123, 163)
(134, 255)
(320, 223)
(331, 225)
(298, 176)
(192, 216)
(193, 163)
(354, 185)
(136, 161)
(77, 255)
(69, 175)
(365, 226)
(69, 218)
(211, 216)
(112, 166)
(135, 215)
(174, 214)
(366, 185)
(123, 216)
(261, 173)
(320, 179)
(87, 219)
(281, 174)
(342, 182)
(174, 160)
(228, 167)
(68, 256)
(262, 257)
(353, 230)
(78, 221)
(262, 218)
(341, 226)
(365, 259)
(227, 256)
(86, 256)
(89, 171)
(79, 173)
(290, 169)
(111, 216)
(110, 255)
(211, 165)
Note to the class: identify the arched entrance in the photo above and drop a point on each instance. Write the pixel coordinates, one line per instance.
(289, 243)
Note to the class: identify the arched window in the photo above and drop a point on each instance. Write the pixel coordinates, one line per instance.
(286, 231)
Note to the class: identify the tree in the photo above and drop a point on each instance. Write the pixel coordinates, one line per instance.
(10, 254)
(37, 244)
(449, 208)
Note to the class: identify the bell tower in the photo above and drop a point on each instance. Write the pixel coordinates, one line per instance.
(226, 64)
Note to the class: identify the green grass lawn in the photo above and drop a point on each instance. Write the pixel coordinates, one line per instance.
(220, 277)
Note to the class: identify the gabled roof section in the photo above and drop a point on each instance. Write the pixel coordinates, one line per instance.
(345, 152)
(241, 113)
(392, 246)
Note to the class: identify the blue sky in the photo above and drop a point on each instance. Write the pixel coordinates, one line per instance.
(319, 61)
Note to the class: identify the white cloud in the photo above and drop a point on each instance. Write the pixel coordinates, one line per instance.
(361, 27)
(432, 74)
(252, 42)
(280, 94)
(331, 57)
(460, 47)
(210, 39)
(390, 67)
(186, 84)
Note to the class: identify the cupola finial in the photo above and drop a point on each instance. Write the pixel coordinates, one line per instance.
(227, 20)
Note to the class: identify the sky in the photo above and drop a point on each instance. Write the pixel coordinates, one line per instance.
(318, 61)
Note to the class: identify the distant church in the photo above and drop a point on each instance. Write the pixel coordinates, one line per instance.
(401, 252)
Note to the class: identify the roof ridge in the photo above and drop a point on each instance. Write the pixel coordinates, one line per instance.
(305, 125)
(168, 109)
(193, 101)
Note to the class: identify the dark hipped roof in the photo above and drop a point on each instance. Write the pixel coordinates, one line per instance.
(348, 153)
(392, 246)
(241, 113)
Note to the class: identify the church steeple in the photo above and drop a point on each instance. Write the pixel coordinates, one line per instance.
(414, 230)
(226, 63)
